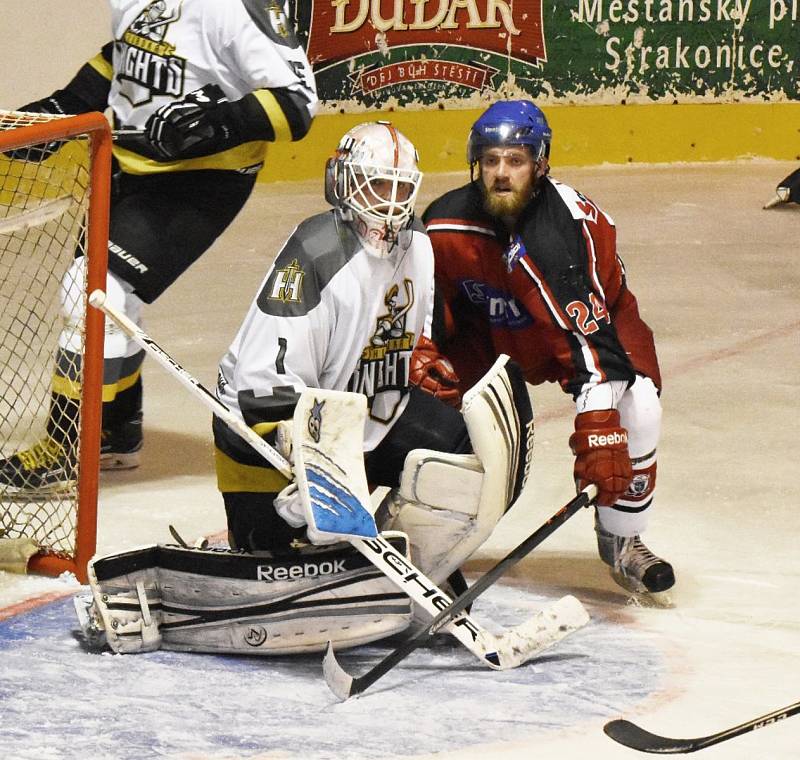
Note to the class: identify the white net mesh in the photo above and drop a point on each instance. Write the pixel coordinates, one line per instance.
(44, 193)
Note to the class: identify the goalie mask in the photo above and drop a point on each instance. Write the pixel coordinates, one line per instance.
(373, 179)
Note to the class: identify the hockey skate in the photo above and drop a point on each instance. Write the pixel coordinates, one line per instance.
(40, 471)
(635, 567)
(120, 446)
(121, 435)
(787, 191)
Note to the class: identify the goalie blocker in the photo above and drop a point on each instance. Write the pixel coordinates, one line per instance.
(230, 602)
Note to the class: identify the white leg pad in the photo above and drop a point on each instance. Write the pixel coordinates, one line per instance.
(226, 602)
(449, 504)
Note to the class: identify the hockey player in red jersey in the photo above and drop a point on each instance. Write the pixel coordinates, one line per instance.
(528, 266)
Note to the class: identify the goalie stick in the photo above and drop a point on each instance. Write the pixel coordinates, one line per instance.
(629, 734)
(506, 650)
(343, 685)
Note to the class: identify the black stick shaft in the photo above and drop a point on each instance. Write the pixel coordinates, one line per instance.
(583, 499)
(635, 737)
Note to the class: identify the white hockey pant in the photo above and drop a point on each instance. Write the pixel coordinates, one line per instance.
(640, 415)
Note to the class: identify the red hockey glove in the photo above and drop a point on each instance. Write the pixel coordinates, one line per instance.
(600, 446)
(433, 373)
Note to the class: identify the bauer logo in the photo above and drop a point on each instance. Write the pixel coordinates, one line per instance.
(272, 573)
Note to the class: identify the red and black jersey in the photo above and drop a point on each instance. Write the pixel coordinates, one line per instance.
(552, 294)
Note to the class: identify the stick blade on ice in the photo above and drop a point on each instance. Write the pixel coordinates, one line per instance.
(337, 678)
(629, 734)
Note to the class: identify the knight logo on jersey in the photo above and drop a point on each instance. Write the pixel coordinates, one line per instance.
(382, 371)
(287, 284)
(150, 66)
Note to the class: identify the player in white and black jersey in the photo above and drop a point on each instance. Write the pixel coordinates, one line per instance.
(346, 301)
(201, 87)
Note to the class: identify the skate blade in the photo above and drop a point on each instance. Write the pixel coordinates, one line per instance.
(641, 597)
(111, 462)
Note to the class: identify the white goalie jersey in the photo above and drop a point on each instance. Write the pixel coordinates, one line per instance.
(331, 314)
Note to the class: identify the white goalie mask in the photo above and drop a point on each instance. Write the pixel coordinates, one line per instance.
(374, 180)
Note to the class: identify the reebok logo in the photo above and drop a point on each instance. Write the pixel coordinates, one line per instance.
(612, 439)
(270, 573)
(529, 438)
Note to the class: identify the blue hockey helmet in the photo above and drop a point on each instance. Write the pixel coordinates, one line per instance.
(510, 122)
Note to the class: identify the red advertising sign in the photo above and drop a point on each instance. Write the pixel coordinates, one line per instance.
(343, 29)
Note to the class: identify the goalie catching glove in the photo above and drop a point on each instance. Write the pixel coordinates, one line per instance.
(600, 446)
(433, 373)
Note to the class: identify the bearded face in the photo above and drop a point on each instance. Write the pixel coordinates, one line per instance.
(508, 178)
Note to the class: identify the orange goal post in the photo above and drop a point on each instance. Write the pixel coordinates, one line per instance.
(54, 205)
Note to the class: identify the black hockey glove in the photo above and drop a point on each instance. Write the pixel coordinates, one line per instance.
(204, 122)
(60, 102)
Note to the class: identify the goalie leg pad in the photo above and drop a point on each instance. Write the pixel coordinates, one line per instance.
(449, 504)
(126, 603)
(227, 602)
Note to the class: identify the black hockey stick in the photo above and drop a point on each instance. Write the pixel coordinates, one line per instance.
(344, 685)
(629, 734)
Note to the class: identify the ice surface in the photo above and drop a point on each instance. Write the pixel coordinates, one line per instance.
(717, 279)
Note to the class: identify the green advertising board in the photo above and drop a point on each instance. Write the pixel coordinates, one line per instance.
(374, 54)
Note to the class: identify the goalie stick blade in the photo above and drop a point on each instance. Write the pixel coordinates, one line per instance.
(338, 679)
(514, 647)
(630, 735)
(542, 631)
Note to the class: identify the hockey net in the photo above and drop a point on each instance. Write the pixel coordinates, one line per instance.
(54, 190)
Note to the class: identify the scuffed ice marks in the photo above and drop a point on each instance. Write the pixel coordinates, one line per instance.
(171, 704)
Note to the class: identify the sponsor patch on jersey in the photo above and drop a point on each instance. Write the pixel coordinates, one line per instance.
(502, 309)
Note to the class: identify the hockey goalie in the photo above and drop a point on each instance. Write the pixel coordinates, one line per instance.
(322, 369)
